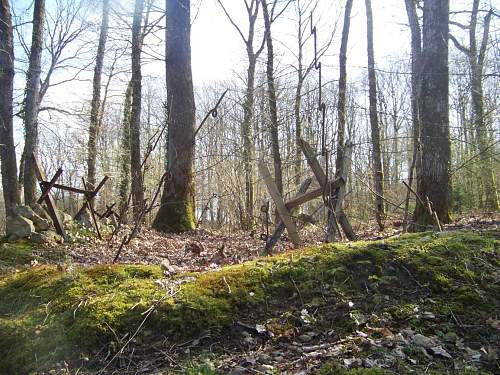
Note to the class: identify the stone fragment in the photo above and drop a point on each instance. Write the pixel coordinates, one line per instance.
(40, 211)
(305, 338)
(238, 370)
(423, 341)
(40, 223)
(439, 351)
(47, 237)
(19, 226)
(265, 369)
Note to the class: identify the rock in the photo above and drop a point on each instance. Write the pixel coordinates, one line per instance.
(25, 211)
(439, 351)
(40, 223)
(48, 237)
(40, 211)
(238, 370)
(423, 341)
(265, 369)
(428, 315)
(19, 226)
(85, 220)
(305, 338)
(168, 269)
(250, 342)
(264, 358)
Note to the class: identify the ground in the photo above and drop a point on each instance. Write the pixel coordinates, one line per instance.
(410, 303)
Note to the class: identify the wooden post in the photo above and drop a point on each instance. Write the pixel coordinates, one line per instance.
(285, 215)
(313, 162)
(338, 199)
(337, 192)
(90, 205)
(280, 228)
(49, 201)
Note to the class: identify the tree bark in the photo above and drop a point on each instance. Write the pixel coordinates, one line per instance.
(135, 116)
(124, 183)
(95, 107)
(271, 92)
(342, 118)
(433, 179)
(32, 102)
(378, 176)
(176, 213)
(7, 148)
(416, 56)
(341, 104)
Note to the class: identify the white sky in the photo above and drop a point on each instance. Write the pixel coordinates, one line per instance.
(218, 52)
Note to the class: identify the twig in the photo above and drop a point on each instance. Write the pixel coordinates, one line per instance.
(227, 285)
(297, 289)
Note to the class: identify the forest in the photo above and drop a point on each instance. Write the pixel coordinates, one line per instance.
(249, 187)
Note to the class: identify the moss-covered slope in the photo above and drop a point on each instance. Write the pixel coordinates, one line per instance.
(49, 314)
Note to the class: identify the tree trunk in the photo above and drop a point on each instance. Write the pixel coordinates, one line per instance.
(341, 104)
(378, 176)
(95, 107)
(416, 56)
(341, 114)
(433, 179)
(273, 110)
(124, 183)
(135, 116)
(32, 101)
(476, 60)
(248, 145)
(7, 148)
(177, 211)
(298, 99)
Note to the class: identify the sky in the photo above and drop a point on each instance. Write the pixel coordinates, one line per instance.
(218, 52)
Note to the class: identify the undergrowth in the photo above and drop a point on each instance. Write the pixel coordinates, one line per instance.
(49, 314)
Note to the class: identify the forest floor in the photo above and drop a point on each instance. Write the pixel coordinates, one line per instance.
(206, 303)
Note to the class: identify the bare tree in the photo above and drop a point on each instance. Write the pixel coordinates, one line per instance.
(177, 212)
(252, 8)
(7, 148)
(32, 101)
(271, 92)
(416, 57)
(124, 182)
(378, 175)
(95, 107)
(135, 116)
(342, 119)
(476, 55)
(433, 174)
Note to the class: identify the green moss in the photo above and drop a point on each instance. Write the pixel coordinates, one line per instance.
(20, 254)
(54, 315)
(332, 369)
(15, 253)
(176, 217)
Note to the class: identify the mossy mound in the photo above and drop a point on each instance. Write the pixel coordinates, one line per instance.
(49, 314)
(23, 253)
